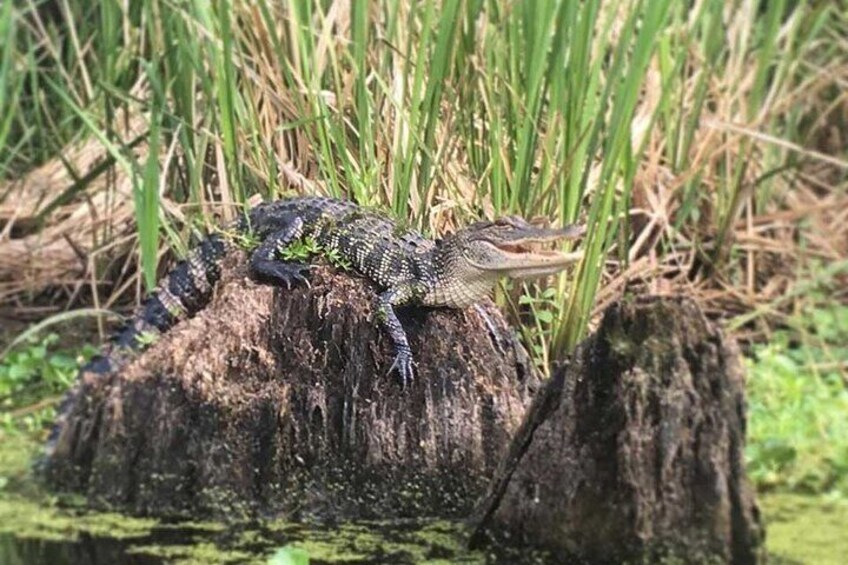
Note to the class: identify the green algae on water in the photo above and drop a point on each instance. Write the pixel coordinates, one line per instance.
(200, 553)
(806, 529)
(412, 541)
(28, 519)
(28, 512)
(30, 515)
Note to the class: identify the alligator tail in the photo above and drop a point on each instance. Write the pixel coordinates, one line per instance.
(183, 292)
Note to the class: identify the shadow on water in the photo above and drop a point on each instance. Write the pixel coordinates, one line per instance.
(37, 528)
(802, 530)
(369, 543)
(86, 549)
(161, 544)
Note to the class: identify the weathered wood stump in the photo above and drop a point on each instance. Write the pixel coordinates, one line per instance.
(277, 402)
(634, 450)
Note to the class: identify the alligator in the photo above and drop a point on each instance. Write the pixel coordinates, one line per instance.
(408, 268)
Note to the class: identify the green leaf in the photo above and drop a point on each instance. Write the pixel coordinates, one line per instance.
(62, 362)
(545, 316)
(289, 555)
(19, 372)
(38, 352)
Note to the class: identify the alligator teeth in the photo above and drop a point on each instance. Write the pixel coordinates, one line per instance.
(514, 248)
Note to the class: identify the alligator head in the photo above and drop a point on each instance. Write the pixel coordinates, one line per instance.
(513, 247)
(472, 259)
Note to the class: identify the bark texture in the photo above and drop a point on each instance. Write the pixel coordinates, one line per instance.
(634, 450)
(276, 402)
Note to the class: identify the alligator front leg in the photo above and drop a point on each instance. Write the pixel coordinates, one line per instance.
(264, 262)
(397, 296)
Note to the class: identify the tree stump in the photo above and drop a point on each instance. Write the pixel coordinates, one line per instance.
(634, 450)
(276, 402)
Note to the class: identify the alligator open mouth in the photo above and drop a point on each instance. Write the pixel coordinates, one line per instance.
(534, 248)
(531, 252)
(514, 248)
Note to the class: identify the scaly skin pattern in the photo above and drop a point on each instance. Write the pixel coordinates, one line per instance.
(406, 268)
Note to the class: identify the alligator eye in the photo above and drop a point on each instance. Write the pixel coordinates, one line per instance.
(511, 222)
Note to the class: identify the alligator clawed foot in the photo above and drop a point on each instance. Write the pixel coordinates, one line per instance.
(283, 273)
(292, 275)
(403, 365)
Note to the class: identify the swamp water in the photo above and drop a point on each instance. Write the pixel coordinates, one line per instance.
(35, 536)
(36, 529)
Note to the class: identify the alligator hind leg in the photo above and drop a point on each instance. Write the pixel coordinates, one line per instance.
(264, 263)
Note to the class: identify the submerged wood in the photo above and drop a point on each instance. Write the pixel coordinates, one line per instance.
(276, 402)
(633, 450)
